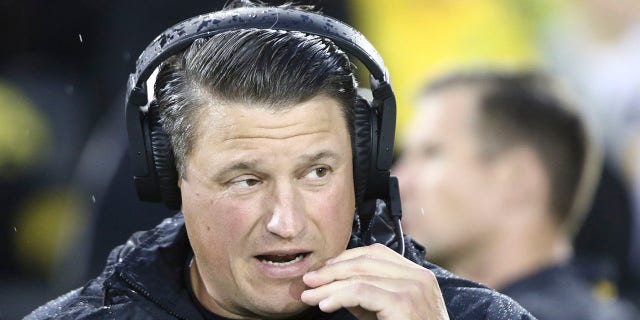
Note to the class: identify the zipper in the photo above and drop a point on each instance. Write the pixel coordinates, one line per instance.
(142, 291)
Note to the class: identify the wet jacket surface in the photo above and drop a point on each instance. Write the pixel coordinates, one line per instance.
(143, 279)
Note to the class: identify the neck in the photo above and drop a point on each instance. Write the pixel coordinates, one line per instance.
(201, 292)
(515, 252)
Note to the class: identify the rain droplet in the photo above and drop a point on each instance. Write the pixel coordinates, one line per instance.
(422, 210)
(15, 229)
(80, 36)
(93, 198)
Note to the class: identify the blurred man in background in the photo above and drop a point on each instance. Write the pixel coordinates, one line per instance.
(496, 175)
(594, 45)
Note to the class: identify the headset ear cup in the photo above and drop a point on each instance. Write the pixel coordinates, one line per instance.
(361, 148)
(163, 161)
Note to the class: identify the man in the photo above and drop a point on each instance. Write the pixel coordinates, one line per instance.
(496, 173)
(261, 125)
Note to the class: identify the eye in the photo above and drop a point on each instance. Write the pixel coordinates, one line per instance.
(245, 183)
(318, 173)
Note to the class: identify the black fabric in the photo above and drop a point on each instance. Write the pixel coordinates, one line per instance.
(145, 279)
(361, 148)
(559, 292)
(164, 162)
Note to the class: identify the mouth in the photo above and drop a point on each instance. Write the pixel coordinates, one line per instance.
(282, 260)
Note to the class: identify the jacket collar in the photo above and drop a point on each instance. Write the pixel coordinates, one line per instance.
(153, 266)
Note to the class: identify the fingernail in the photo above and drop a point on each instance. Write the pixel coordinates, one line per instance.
(330, 261)
(323, 304)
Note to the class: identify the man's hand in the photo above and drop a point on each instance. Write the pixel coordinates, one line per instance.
(375, 282)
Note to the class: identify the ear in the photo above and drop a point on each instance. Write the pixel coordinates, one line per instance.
(523, 178)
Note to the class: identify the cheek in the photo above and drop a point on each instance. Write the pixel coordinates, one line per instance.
(333, 210)
(214, 221)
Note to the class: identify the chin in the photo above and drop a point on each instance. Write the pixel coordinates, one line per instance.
(281, 302)
(286, 311)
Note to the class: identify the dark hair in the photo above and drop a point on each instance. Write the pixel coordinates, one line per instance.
(527, 108)
(275, 69)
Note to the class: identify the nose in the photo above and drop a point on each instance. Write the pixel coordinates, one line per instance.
(287, 219)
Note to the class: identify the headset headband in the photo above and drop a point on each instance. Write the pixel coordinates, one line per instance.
(180, 36)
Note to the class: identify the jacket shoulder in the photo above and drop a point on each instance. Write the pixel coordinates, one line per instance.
(78, 307)
(466, 299)
(72, 305)
(88, 303)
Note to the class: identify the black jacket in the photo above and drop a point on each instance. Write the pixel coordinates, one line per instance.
(144, 279)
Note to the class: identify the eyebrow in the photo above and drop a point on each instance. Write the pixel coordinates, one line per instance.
(252, 165)
(325, 154)
(235, 166)
(242, 165)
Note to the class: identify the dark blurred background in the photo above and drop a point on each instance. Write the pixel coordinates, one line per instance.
(65, 186)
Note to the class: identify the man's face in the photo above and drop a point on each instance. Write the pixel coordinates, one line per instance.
(267, 197)
(449, 195)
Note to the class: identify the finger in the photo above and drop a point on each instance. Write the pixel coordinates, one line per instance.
(316, 295)
(345, 294)
(373, 300)
(426, 287)
(363, 265)
(375, 250)
(345, 269)
(386, 297)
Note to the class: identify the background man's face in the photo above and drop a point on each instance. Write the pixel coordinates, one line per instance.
(267, 197)
(449, 195)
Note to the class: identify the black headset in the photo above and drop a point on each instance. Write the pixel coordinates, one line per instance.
(155, 173)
